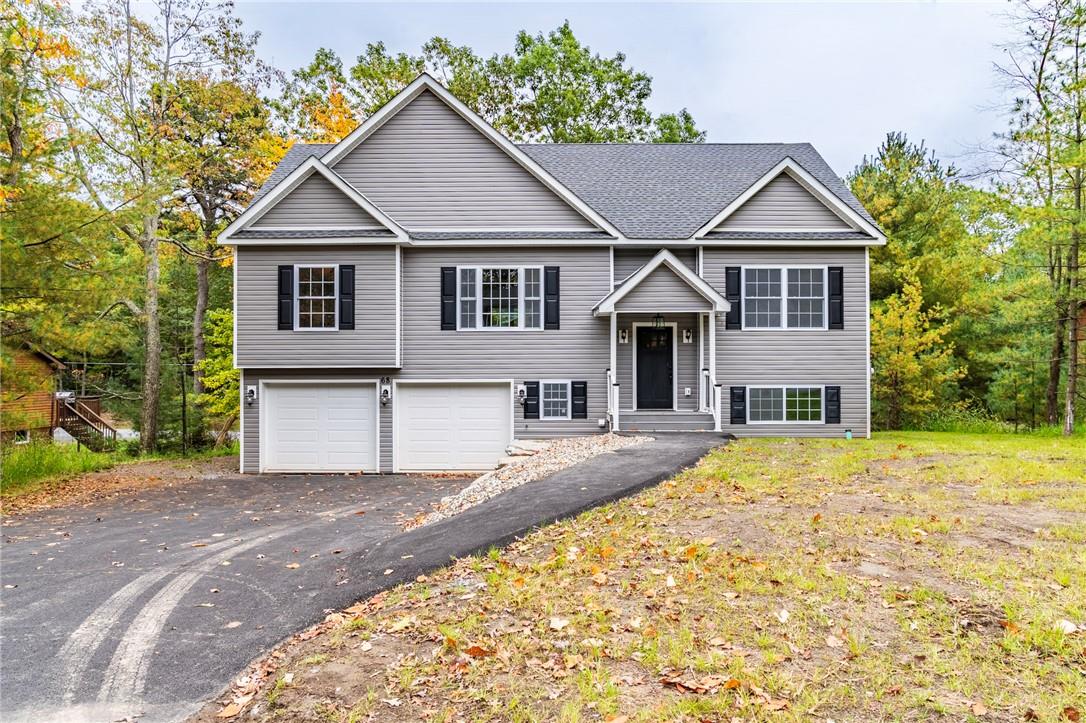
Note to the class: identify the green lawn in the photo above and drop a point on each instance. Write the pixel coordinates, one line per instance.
(916, 576)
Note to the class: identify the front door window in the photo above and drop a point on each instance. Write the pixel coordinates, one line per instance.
(655, 361)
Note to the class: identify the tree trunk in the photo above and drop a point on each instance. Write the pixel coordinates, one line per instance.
(1073, 335)
(1055, 370)
(152, 363)
(198, 317)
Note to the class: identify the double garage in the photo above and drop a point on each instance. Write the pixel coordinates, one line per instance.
(342, 426)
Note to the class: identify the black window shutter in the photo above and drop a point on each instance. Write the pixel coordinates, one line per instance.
(531, 400)
(833, 405)
(346, 296)
(739, 405)
(733, 292)
(837, 297)
(286, 298)
(579, 408)
(550, 297)
(448, 298)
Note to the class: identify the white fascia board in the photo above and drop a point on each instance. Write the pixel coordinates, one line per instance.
(427, 82)
(310, 166)
(666, 258)
(813, 186)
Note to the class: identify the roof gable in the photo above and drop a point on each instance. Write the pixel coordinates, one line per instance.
(239, 231)
(315, 202)
(431, 163)
(662, 289)
(783, 204)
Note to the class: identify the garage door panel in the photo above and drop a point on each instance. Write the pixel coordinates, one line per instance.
(452, 427)
(320, 427)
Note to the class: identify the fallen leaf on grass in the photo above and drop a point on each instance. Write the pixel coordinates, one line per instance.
(1067, 627)
(478, 651)
(293, 566)
(403, 624)
(833, 641)
(979, 709)
(599, 578)
(686, 683)
(1071, 714)
(558, 623)
(776, 704)
(783, 615)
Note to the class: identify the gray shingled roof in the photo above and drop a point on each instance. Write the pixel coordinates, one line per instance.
(665, 191)
(670, 190)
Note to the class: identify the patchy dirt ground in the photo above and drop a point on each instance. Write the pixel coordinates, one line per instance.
(913, 577)
(125, 478)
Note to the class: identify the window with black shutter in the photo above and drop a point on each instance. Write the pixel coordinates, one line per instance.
(286, 298)
(346, 296)
(733, 292)
(531, 400)
(833, 405)
(837, 297)
(550, 297)
(448, 298)
(738, 405)
(580, 400)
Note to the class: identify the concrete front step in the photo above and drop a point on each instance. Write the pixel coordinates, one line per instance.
(665, 421)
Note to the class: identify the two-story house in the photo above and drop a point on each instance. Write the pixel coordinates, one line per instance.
(418, 295)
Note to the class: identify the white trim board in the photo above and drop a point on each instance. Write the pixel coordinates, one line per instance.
(607, 304)
(674, 367)
(427, 82)
(310, 166)
(812, 185)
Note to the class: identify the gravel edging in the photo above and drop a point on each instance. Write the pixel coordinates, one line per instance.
(557, 456)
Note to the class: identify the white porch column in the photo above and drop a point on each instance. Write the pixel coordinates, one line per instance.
(612, 392)
(701, 359)
(712, 370)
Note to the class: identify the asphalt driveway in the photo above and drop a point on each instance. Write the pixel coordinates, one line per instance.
(145, 607)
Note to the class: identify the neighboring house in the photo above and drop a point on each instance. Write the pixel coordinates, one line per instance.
(423, 292)
(28, 410)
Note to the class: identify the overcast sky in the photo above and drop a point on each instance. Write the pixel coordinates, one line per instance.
(838, 75)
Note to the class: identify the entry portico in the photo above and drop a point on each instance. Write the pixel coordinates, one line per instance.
(662, 347)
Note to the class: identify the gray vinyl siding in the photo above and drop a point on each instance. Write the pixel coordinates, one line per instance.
(687, 358)
(250, 427)
(372, 343)
(578, 351)
(783, 203)
(428, 168)
(817, 358)
(629, 260)
(663, 290)
(316, 203)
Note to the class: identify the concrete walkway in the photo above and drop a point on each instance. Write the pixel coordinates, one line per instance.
(145, 608)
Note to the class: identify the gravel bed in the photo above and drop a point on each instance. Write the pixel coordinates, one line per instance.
(558, 454)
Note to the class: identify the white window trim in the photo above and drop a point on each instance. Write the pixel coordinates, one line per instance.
(784, 297)
(520, 298)
(569, 399)
(21, 436)
(297, 300)
(784, 390)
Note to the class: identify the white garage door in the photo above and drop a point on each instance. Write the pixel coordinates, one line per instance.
(319, 428)
(452, 427)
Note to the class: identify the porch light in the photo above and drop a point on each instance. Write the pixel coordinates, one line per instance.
(386, 390)
(658, 321)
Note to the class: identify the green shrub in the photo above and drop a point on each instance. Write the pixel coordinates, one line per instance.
(21, 465)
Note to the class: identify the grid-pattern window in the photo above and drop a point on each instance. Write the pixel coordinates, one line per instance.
(533, 298)
(316, 297)
(803, 404)
(784, 404)
(468, 299)
(762, 298)
(501, 298)
(765, 404)
(775, 298)
(555, 400)
(806, 294)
